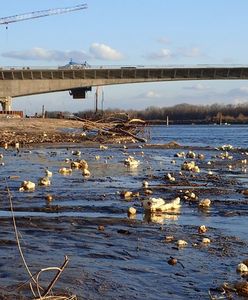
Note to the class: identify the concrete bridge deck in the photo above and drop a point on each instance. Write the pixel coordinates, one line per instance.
(16, 82)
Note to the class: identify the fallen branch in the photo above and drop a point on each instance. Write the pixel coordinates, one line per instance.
(111, 128)
(132, 135)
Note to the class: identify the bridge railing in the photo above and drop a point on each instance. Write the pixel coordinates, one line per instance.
(79, 66)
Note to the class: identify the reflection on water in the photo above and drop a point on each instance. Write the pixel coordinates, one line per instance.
(160, 218)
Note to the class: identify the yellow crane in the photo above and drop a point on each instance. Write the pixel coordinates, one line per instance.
(41, 13)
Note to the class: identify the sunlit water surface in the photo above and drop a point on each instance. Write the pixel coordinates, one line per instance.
(128, 260)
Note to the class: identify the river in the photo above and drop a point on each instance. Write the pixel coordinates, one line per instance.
(115, 256)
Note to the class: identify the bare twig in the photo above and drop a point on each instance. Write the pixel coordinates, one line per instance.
(60, 270)
(56, 277)
(16, 235)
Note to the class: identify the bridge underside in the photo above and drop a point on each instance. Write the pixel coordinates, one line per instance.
(23, 82)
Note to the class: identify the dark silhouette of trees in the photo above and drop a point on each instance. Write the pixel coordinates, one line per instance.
(178, 114)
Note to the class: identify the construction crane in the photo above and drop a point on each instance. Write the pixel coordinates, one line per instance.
(39, 14)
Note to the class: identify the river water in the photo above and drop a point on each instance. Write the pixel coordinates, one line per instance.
(127, 257)
(192, 135)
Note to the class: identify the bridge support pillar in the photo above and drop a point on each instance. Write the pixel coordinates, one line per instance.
(6, 103)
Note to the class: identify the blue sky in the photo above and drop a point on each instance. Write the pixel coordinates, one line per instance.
(130, 32)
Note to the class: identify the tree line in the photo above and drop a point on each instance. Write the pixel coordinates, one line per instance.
(177, 114)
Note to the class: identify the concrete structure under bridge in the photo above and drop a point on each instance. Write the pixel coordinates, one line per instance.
(16, 82)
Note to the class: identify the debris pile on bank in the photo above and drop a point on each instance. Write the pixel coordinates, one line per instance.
(37, 131)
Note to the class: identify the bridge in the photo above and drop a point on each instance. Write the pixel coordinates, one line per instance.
(16, 81)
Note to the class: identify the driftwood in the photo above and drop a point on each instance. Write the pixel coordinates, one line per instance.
(133, 136)
(115, 128)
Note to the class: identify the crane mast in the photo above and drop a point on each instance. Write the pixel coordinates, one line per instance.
(41, 13)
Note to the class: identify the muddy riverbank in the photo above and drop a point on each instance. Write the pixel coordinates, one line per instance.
(30, 131)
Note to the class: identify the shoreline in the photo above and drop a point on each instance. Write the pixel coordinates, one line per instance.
(61, 133)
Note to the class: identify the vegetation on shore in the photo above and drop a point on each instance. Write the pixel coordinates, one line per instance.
(178, 114)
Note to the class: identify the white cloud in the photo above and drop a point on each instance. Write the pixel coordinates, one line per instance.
(244, 89)
(149, 95)
(164, 40)
(238, 92)
(161, 54)
(104, 52)
(96, 51)
(189, 52)
(240, 100)
(152, 94)
(166, 53)
(46, 55)
(197, 87)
